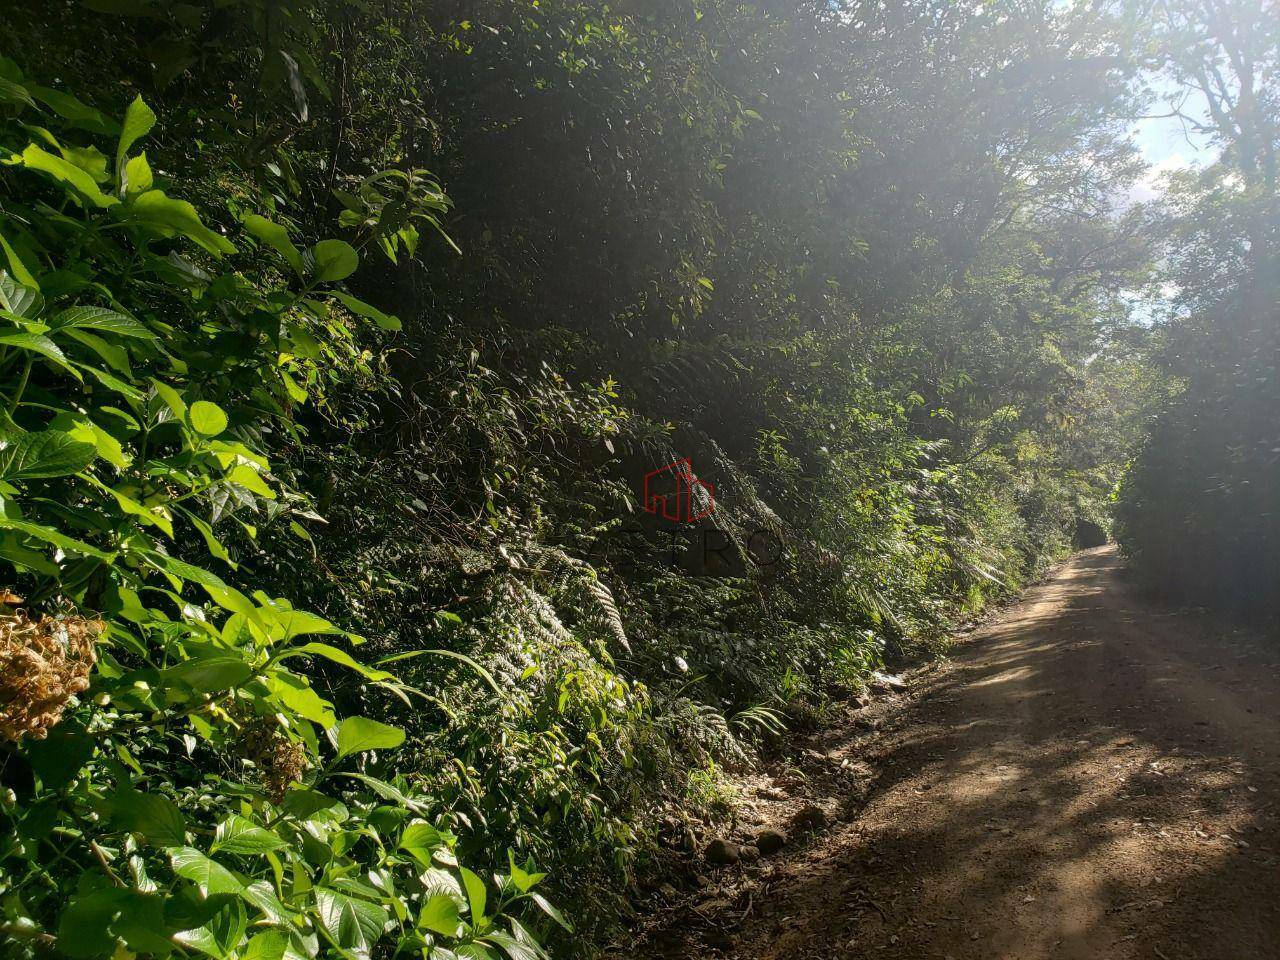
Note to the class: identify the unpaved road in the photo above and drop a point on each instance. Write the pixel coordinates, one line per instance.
(1089, 777)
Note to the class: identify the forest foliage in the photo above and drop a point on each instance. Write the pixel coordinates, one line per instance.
(338, 339)
(1198, 511)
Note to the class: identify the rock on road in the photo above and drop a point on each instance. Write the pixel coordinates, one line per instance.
(1089, 777)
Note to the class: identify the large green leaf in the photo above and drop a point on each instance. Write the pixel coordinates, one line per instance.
(33, 158)
(477, 896)
(207, 418)
(49, 453)
(354, 925)
(238, 835)
(19, 297)
(209, 876)
(177, 216)
(209, 674)
(421, 840)
(341, 657)
(276, 237)
(70, 108)
(296, 694)
(229, 598)
(333, 260)
(268, 945)
(360, 734)
(138, 177)
(263, 896)
(100, 318)
(440, 915)
(546, 907)
(221, 936)
(84, 929)
(11, 92)
(357, 306)
(155, 817)
(138, 121)
(19, 268)
(297, 623)
(40, 344)
(50, 535)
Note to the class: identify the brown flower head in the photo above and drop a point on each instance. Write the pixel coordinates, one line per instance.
(279, 760)
(43, 664)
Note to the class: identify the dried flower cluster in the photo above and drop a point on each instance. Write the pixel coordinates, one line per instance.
(43, 664)
(281, 762)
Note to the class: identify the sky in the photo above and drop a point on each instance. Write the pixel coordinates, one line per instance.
(1166, 144)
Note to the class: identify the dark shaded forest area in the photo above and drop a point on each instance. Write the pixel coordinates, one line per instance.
(341, 338)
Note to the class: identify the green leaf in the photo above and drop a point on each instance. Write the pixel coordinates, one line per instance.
(33, 158)
(229, 598)
(221, 935)
(172, 399)
(115, 355)
(155, 817)
(550, 911)
(60, 756)
(476, 894)
(137, 175)
(479, 670)
(333, 260)
(343, 658)
(110, 381)
(155, 518)
(514, 948)
(421, 840)
(39, 343)
(138, 121)
(262, 896)
(383, 320)
(206, 418)
(269, 945)
(142, 924)
(84, 927)
(238, 835)
(25, 560)
(20, 271)
(172, 216)
(50, 535)
(296, 694)
(100, 318)
(353, 924)
(209, 674)
(11, 92)
(209, 876)
(248, 477)
(86, 431)
(88, 159)
(20, 298)
(49, 453)
(276, 237)
(70, 108)
(360, 734)
(440, 915)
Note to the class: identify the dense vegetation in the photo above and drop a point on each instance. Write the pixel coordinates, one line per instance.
(339, 338)
(1198, 512)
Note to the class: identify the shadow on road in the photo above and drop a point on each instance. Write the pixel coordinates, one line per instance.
(1090, 777)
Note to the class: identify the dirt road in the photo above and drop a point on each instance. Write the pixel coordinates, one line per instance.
(1089, 777)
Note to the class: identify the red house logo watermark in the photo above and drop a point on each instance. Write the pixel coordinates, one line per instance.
(675, 493)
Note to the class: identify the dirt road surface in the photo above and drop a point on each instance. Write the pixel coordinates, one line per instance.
(1089, 777)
